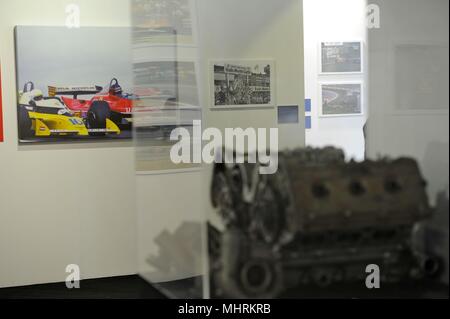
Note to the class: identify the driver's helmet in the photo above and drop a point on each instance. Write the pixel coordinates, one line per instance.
(115, 88)
(37, 95)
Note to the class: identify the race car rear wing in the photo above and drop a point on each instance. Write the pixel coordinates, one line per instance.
(73, 90)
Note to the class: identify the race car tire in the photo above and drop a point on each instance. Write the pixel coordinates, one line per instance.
(25, 124)
(117, 119)
(97, 115)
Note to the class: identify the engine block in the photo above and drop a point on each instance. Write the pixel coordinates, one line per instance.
(317, 221)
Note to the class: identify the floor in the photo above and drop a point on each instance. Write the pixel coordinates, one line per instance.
(134, 287)
(127, 287)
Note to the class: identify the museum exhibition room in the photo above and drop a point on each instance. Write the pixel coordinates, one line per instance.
(224, 149)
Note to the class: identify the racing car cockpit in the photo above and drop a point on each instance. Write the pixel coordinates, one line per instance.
(115, 88)
(34, 100)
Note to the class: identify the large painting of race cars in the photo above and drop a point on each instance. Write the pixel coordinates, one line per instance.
(243, 84)
(168, 80)
(73, 84)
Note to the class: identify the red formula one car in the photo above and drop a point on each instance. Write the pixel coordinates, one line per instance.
(118, 107)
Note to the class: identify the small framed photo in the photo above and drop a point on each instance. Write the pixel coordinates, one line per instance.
(288, 114)
(165, 23)
(341, 99)
(341, 57)
(242, 84)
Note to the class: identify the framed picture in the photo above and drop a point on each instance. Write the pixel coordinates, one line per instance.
(288, 114)
(81, 91)
(242, 84)
(174, 104)
(164, 22)
(341, 99)
(168, 79)
(341, 57)
(421, 78)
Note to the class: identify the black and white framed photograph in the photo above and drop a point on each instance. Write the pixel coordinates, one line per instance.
(341, 57)
(341, 99)
(242, 84)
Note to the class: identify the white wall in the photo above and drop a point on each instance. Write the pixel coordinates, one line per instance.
(333, 21)
(410, 117)
(233, 30)
(422, 134)
(62, 204)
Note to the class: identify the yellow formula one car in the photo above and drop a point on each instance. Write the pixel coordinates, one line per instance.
(40, 116)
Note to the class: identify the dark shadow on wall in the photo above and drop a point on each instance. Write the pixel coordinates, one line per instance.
(436, 167)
